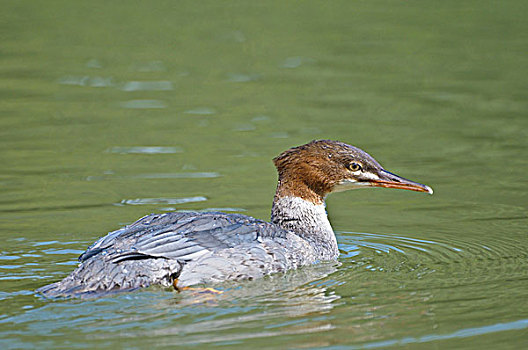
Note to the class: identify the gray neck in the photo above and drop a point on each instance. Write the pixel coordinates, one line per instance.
(309, 221)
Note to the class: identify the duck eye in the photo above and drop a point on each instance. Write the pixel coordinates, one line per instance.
(354, 166)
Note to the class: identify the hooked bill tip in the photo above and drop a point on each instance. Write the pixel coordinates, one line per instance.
(429, 189)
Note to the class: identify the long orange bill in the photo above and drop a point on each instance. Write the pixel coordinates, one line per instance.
(390, 180)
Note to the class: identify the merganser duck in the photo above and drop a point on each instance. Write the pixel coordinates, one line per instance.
(183, 249)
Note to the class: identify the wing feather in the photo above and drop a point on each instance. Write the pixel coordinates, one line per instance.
(182, 236)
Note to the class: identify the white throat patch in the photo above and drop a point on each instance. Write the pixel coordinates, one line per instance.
(350, 184)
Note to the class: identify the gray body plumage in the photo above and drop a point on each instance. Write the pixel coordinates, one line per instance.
(184, 249)
(192, 247)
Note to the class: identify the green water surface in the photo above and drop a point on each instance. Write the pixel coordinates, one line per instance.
(112, 110)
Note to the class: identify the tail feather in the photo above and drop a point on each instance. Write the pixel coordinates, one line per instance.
(97, 277)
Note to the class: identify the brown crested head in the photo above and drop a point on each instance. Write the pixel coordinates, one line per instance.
(313, 170)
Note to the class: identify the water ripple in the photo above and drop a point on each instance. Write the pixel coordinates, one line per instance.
(457, 259)
(145, 150)
(242, 78)
(462, 333)
(143, 104)
(149, 201)
(295, 62)
(86, 81)
(201, 111)
(162, 85)
(195, 175)
(186, 175)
